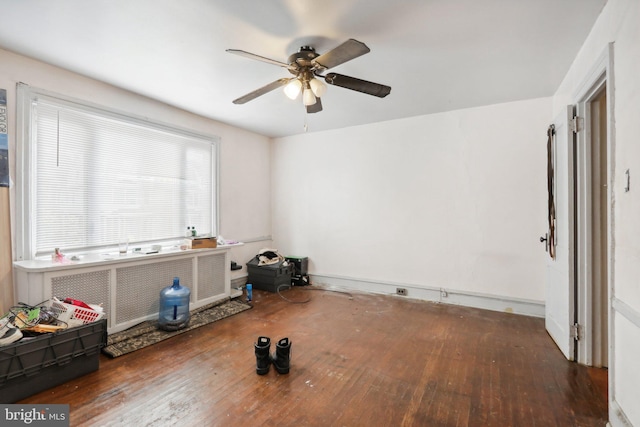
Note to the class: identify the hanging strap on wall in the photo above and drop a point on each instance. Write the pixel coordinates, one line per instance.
(551, 237)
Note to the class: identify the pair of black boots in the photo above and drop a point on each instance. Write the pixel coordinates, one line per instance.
(280, 359)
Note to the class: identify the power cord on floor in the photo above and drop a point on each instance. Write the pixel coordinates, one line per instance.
(309, 289)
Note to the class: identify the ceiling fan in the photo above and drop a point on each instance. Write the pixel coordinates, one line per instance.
(307, 67)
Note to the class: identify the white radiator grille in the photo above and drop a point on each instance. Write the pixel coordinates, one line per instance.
(138, 287)
(129, 291)
(93, 287)
(211, 276)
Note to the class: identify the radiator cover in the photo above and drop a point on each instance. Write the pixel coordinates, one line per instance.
(129, 289)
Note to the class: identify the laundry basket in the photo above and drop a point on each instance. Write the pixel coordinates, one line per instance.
(74, 315)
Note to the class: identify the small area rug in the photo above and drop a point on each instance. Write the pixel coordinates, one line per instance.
(147, 333)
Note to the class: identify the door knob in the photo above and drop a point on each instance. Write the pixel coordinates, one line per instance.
(544, 239)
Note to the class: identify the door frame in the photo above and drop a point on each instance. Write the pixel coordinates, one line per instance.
(600, 77)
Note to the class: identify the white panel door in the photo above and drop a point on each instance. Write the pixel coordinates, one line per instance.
(560, 291)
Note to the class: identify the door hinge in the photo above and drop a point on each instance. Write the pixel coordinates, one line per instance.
(576, 124)
(576, 331)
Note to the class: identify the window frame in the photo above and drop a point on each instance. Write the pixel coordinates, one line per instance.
(25, 165)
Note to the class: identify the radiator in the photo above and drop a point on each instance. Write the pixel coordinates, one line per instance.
(129, 290)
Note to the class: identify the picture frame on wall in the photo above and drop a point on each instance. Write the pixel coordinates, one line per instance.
(4, 140)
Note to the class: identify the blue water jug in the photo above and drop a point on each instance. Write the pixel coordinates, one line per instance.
(174, 307)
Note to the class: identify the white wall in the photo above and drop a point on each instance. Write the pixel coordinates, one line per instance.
(454, 200)
(245, 169)
(618, 23)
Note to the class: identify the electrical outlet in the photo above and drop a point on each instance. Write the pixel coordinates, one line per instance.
(401, 291)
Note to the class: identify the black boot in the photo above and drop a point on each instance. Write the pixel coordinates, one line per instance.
(263, 361)
(282, 356)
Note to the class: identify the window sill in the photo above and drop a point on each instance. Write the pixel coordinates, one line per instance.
(89, 260)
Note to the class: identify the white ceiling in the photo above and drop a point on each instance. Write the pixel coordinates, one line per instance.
(437, 55)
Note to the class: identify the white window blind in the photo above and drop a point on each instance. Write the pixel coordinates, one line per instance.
(97, 178)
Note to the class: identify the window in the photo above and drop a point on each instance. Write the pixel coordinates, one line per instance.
(89, 178)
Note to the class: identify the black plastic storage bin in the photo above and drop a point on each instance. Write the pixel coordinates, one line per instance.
(269, 277)
(32, 365)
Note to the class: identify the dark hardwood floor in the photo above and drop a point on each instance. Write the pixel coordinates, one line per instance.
(369, 360)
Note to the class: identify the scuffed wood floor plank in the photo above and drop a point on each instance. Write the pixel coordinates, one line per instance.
(370, 360)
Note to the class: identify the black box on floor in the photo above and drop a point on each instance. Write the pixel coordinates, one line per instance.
(300, 280)
(269, 277)
(32, 365)
(301, 264)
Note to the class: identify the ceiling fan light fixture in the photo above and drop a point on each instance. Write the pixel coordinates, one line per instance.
(307, 67)
(293, 88)
(308, 98)
(318, 87)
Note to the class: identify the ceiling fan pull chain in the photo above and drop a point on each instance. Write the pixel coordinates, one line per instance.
(306, 115)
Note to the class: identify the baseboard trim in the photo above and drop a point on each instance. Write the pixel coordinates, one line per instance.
(441, 295)
(617, 417)
(237, 285)
(239, 282)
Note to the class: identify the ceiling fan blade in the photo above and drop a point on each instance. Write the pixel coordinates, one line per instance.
(257, 57)
(363, 86)
(315, 108)
(345, 52)
(261, 91)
